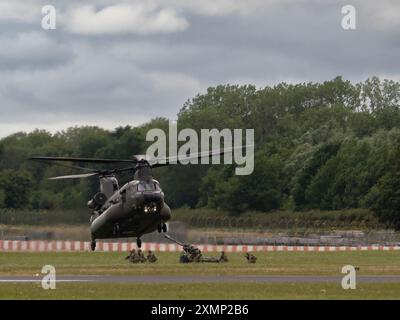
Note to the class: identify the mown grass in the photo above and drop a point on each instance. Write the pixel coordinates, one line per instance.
(282, 263)
(214, 291)
(268, 263)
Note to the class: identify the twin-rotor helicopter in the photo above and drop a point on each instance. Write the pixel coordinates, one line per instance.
(135, 209)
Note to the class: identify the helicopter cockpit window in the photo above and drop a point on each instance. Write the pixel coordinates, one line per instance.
(115, 186)
(146, 186)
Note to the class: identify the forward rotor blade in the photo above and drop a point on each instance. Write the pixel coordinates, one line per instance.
(75, 176)
(66, 166)
(89, 160)
(124, 169)
(160, 162)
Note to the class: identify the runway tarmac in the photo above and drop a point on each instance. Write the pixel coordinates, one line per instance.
(201, 279)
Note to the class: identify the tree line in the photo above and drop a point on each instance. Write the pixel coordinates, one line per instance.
(319, 146)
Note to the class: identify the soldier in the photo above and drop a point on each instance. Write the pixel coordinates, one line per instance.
(197, 257)
(223, 257)
(141, 256)
(251, 258)
(151, 257)
(133, 256)
(195, 254)
(184, 258)
(131, 253)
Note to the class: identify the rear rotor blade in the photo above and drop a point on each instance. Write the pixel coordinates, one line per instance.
(75, 176)
(88, 160)
(160, 162)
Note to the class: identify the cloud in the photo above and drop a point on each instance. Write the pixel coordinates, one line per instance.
(91, 89)
(22, 11)
(124, 62)
(226, 7)
(32, 50)
(381, 15)
(136, 18)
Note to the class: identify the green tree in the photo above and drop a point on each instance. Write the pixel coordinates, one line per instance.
(259, 191)
(2, 198)
(306, 174)
(17, 186)
(384, 199)
(329, 145)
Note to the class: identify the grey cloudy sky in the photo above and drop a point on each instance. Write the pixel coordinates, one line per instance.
(112, 63)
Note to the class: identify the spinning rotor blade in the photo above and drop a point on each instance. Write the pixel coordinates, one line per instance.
(101, 172)
(75, 176)
(160, 162)
(124, 169)
(66, 166)
(88, 160)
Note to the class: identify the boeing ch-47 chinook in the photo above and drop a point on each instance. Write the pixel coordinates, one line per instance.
(135, 209)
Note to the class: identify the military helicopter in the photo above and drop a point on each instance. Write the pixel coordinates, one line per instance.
(135, 209)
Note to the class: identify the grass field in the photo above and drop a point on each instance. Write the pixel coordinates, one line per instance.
(274, 263)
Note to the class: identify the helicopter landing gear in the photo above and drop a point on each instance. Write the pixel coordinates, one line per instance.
(162, 227)
(116, 229)
(93, 245)
(139, 243)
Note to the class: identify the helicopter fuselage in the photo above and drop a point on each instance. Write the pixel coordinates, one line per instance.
(131, 211)
(135, 209)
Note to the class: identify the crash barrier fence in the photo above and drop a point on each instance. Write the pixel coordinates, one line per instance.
(74, 246)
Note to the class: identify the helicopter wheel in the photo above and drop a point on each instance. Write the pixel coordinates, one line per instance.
(164, 227)
(93, 245)
(139, 242)
(116, 229)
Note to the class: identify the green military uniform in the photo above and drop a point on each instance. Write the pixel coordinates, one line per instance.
(184, 258)
(196, 255)
(141, 256)
(151, 257)
(132, 252)
(251, 258)
(223, 257)
(133, 256)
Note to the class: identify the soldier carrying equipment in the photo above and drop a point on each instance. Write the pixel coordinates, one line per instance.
(133, 256)
(151, 257)
(251, 258)
(223, 257)
(141, 256)
(131, 253)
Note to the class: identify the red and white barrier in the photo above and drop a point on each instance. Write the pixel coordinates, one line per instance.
(66, 246)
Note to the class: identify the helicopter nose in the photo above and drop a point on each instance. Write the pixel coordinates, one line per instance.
(152, 202)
